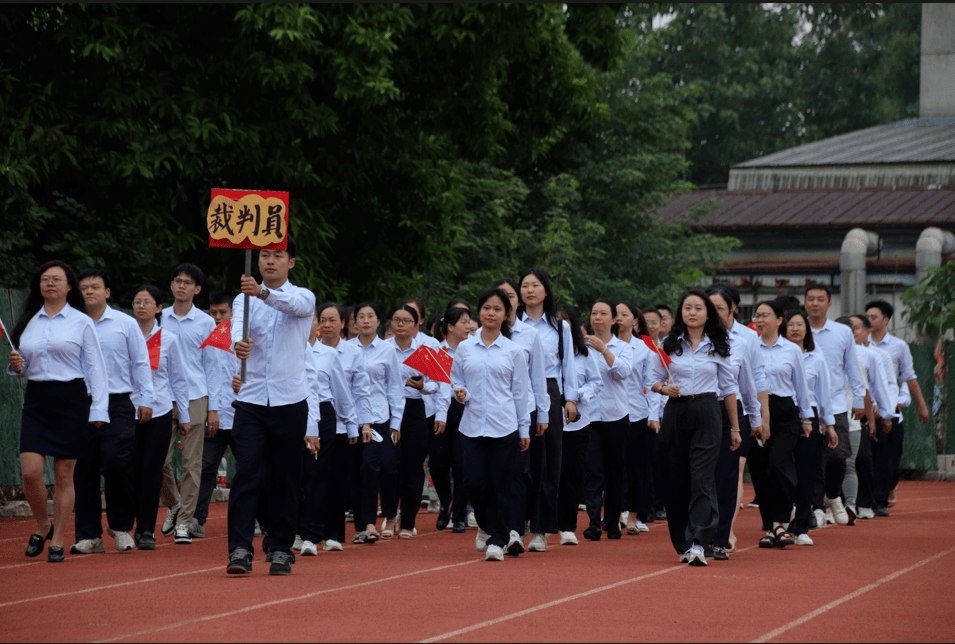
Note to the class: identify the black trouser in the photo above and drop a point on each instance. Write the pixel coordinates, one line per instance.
(613, 445)
(727, 475)
(830, 475)
(367, 460)
(520, 486)
(444, 455)
(772, 466)
(152, 442)
(593, 481)
(488, 467)
(887, 459)
(413, 447)
(268, 449)
(865, 469)
(570, 494)
(317, 477)
(109, 454)
(213, 449)
(544, 466)
(639, 474)
(335, 495)
(689, 449)
(807, 456)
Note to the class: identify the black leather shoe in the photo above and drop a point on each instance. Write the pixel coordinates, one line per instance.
(593, 534)
(813, 524)
(708, 551)
(720, 554)
(147, 541)
(444, 518)
(661, 515)
(614, 534)
(650, 518)
(55, 555)
(35, 546)
(459, 527)
(882, 511)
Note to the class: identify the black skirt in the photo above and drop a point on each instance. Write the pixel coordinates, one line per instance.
(55, 419)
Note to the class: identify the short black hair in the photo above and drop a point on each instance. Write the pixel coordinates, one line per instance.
(789, 303)
(845, 319)
(291, 247)
(330, 305)
(371, 305)
(724, 288)
(94, 272)
(819, 287)
(863, 319)
(887, 309)
(420, 306)
(650, 309)
(665, 308)
(221, 297)
(192, 271)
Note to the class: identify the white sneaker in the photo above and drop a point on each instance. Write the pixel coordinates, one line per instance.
(820, 519)
(481, 542)
(472, 522)
(124, 541)
(694, 556)
(90, 547)
(538, 543)
(838, 510)
(581, 507)
(515, 544)
(182, 534)
(494, 553)
(568, 538)
(331, 544)
(803, 540)
(642, 527)
(297, 545)
(308, 549)
(259, 532)
(624, 517)
(866, 513)
(169, 523)
(829, 518)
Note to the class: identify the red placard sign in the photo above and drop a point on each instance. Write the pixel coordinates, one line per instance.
(250, 219)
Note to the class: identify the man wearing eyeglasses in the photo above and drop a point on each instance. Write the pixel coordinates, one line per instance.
(192, 326)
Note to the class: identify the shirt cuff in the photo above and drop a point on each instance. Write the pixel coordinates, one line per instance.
(312, 430)
(99, 416)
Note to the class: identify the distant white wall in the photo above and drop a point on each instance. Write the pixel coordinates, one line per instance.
(937, 71)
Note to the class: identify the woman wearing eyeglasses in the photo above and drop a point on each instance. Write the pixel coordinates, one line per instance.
(59, 355)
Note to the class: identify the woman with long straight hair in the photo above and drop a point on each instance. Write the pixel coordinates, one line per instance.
(386, 402)
(57, 351)
(808, 452)
(610, 424)
(691, 426)
(771, 463)
(490, 379)
(539, 310)
(447, 452)
(152, 437)
(576, 436)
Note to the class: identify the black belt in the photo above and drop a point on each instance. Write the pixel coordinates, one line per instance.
(704, 396)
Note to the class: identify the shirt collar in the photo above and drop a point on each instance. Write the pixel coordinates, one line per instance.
(705, 340)
(65, 311)
(155, 328)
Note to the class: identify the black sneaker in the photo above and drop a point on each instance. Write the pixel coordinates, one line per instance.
(444, 518)
(613, 534)
(146, 541)
(882, 511)
(240, 562)
(281, 563)
(709, 551)
(720, 554)
(649, 518)
(661, 515)
(265, 548)
(459, 527)
(592, 533)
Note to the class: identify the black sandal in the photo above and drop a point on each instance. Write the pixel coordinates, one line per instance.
(782, 537)
(767, 541)
(55, 555)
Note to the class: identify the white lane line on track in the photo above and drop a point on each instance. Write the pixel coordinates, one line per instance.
(281, 601)
(833, 604)
(557, 602)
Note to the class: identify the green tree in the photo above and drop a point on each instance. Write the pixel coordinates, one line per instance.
(930, 304)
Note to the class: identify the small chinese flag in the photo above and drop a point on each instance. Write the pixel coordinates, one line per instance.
(154, 344)
(445, 360)
(752, 325)
(664, 358)
(220, 338)
(425, 360)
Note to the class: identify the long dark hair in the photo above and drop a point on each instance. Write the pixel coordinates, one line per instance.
(573, 320)
(714, 328)
(778, 311)
(35, 298)
(550, 305)
(155, 294)
(496, 292)
(452, 315)
(638, 316)
(808, 344)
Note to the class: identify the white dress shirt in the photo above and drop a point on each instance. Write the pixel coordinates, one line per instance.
(903, 370)
(430, 400)
(279, 328)
(202, 367)
(588, 388)
(612, 399)
(560, 368)
(749, 339)
(878, 381)
(496, 379)
(639, 381)
(527, 337)
(386, 399)
(127, 358)
(817, 381)
(326, 383)
(65, 348)
(429, 388)
(698, 371)
(786, 373)
(229, 366)
(741, 358)
(169, 379)
(839, 348)
(357, 380)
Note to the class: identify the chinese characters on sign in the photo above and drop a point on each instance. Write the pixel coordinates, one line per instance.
(248, 219)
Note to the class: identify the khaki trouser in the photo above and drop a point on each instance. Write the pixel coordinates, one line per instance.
(187, 493)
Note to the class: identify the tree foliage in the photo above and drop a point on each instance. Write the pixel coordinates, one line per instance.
(930, 304)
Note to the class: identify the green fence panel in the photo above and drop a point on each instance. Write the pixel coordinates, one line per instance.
(919, 449)
(948, 430)
(11, 398)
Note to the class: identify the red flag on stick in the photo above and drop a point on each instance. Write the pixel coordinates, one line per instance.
(220, 338)
(664, 358)
(445, 360)
(154, 344)
(425, 360)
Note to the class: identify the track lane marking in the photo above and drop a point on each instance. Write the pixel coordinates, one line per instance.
(845, 598)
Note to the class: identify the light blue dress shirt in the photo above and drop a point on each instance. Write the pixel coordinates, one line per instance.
(430, 387)
(638, 382)
(127, 358)
(202, 367)
(588, 388)
(229, 366)
(496, 380)
(327, 383)
(279, 328)
(560, 369)
(878, 381)
(169, 380)
(903, 370)
(613, 398)
(386, 398)
(445, 393)
(750, 340)
(431, 399)
(357, 380)
(65, 348)
(786, 373)
(839, 348)
(817, 381)
(746, 375)
(698, 372)
(527, 337)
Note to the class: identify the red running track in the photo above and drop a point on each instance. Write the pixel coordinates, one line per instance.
(885, 579)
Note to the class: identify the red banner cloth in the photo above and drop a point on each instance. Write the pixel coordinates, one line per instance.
(220, 338)
(154, 344)
(664, 358)
(425, 360)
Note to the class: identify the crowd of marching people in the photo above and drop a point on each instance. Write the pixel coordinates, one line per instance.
(520, 413)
